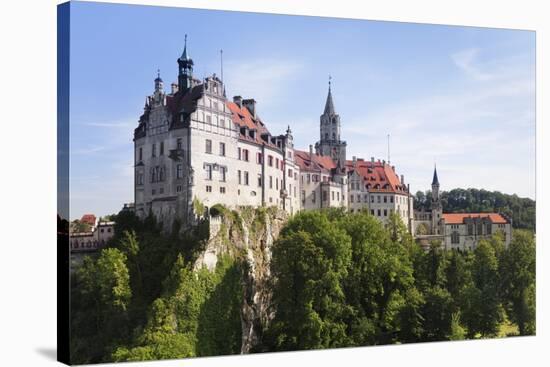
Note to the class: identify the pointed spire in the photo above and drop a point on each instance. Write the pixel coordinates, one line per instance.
(158, 79)
(435, 181)
(329, 105)
(184, 55)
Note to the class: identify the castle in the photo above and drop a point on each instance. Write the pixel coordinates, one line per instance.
(194, 145)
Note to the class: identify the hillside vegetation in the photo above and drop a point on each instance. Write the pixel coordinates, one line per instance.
(521, 210)
(330, 279)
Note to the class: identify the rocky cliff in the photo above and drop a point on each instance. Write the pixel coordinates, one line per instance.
(247, 234)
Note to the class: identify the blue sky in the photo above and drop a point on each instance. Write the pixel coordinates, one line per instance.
(463, 97)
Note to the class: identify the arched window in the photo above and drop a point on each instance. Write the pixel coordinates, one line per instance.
(326, 136)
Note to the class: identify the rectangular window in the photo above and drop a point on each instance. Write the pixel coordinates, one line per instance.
(277, 163)
(385, 199)
(294, 191)
(259, 180)
(313, 197)
(270, 182)
(270, 161)
(325, 195)
(179, 171)
(222, 149)
(154, 151)
(391, 199)
(378, 199)
(209, 119)
(245, 155)
(246, 178)
(289, 172)
(179, 143)
(222, 190)
(276, 184)
(208, 146)
(372, 199)
(239, 176)
(332, 195)
(489, 229)
(385, 212)
(351, 198)
(239, 154)
(308, 178)
(161, 148)
(338, 196)
(259, 158)
(372, 211)
(208, 168)
(208, 188)
(379, 213)
(223, 171)
(178, 188)
(140, 154)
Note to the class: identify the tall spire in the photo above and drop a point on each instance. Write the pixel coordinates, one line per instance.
(329, 105)
(184, 55)
(185, 64)
(435, 181)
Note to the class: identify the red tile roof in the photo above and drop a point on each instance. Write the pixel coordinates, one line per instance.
(242, 117)
(377, 176)
(88, 219)
(458, 218)
(313, 162)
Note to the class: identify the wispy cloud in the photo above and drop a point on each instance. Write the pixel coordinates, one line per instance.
(262, 79)
(88, 150)
(467, 61)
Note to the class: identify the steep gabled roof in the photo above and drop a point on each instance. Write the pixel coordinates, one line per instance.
(377, 176)
(313, 162)
(242, 117)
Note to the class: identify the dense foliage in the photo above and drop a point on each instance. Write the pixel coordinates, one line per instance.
(140, 298)
(345, 280)
(521, 210)
(338, 279)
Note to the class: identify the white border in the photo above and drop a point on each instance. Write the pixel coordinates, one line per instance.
(28, 181)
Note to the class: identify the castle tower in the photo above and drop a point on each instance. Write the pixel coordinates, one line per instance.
(330, 143)
(159, 89)
(437, 208)
(185, 66)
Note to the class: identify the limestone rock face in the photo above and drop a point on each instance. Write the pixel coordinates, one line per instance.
(247, 234)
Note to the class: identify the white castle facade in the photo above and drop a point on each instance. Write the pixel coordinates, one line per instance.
(194, 145)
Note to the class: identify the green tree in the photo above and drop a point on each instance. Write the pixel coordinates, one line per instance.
(483, 311)
(310, 259)
(101, 296)
(518, 273)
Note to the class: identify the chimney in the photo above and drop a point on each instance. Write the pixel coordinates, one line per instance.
(238, 100)
(354, 159)
(174, 88)
(310, 151)
(402, 179)
(250, 104)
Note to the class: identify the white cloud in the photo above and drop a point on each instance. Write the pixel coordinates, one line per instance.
(265, 80)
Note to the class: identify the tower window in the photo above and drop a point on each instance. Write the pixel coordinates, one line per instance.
(208, 146)
(161, 148)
